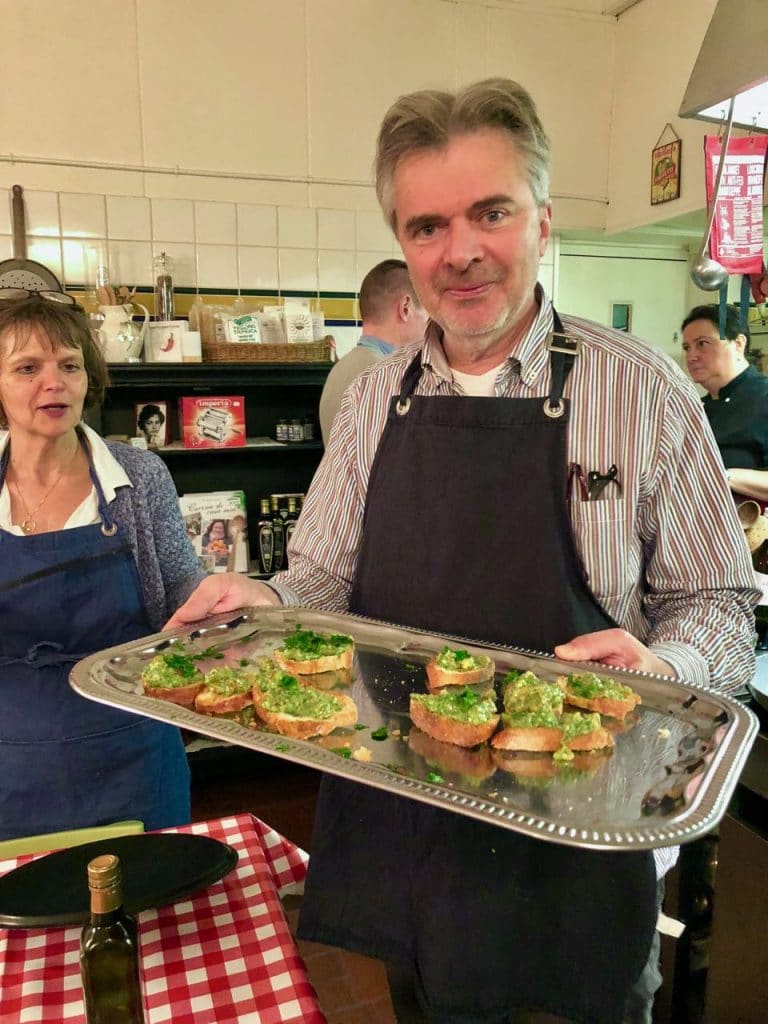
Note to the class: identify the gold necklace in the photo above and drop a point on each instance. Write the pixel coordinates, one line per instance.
(29, 524)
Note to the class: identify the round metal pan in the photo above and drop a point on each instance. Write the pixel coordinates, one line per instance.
(21, 272)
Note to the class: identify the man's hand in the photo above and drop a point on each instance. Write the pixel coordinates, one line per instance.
(221, 592)
(614, 647)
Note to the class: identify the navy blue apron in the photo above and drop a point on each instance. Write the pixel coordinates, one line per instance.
(67, 762)
(466, 531)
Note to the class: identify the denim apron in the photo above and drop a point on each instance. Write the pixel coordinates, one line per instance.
(466, 531)
(67, 762)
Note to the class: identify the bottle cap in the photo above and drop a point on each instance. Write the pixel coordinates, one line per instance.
(104, 871)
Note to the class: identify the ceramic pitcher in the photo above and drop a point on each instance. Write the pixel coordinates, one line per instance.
(121, 339)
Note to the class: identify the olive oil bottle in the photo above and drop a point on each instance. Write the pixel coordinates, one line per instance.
(109, 950)
(290, 524)
(265, 538)
(278, 535)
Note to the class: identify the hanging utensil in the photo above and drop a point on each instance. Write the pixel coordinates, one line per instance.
(21, 272)
(707, 273)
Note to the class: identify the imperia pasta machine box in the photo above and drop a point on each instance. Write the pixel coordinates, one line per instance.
(212, 421)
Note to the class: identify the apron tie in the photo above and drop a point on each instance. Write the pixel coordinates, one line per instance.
(37, 657)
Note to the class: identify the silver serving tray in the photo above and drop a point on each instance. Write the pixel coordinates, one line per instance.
(675, 764)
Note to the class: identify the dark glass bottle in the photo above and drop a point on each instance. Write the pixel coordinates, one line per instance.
(109, 950)
(265, 537)
(278, 536)
(290, 524)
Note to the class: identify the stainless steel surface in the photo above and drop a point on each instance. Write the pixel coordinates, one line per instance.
(758, 685)
(668, 780)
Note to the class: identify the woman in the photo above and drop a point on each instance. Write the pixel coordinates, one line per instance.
(149, 421)
(736, 402)
(217, 541)
(81, 569)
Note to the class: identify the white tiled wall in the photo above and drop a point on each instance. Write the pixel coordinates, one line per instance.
(211, 244)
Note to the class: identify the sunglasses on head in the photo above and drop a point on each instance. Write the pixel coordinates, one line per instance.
(16, 294)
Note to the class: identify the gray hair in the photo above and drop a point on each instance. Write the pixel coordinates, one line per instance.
(430, 118)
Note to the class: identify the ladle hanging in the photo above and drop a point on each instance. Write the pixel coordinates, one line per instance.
(707, 273)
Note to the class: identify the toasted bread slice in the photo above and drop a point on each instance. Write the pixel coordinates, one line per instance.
(459, 717)
(305, 652)
(173, 676)
(302, 712)
(457, 667)
(576, 731)
(598, 693)
(208, 702)
(226, 689)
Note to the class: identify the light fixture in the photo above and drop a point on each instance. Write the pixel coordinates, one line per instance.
(732, 64)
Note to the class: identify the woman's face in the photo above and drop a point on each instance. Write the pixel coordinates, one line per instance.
(217, 530)
(152, 425)
(711, 360)
(42, 391)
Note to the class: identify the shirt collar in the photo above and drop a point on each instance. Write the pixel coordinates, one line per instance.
(530, 354)
(385, 348)
(733, 384)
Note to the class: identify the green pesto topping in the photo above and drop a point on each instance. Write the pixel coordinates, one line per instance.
(305, 645)
(530, 703)
(454, 660)
(289, 697)
(590, 686)
(267, 673)
(169, 671)
(578, 723)
(563, 753)
(465, 706)
(226, 681)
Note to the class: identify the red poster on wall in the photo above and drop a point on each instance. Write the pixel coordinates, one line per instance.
(736, 240)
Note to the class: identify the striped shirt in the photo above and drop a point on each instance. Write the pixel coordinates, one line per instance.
(664, 551)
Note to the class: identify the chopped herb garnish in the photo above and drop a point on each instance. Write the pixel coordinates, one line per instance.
(434, 777)
(181, 663)
(360, 725)
(209, 652)
(382, 733)
(244, 662)
(282, 747)
(343, 751)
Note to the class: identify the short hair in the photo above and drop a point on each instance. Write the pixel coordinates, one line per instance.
(64, 326)
(711, 312)
(147, 412)
(381, 286)
(430, 118)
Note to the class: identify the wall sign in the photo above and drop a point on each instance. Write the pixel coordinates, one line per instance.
(665, 168)
(736, 240)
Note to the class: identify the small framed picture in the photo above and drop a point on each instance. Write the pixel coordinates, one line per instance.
(152, 423)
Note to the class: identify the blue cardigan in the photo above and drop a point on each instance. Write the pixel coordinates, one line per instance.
(149, 516)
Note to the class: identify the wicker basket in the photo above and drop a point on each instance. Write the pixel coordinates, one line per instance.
(264, 352)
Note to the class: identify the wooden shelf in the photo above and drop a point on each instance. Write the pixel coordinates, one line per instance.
(251, 445)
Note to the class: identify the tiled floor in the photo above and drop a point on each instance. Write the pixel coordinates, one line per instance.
(351, 989)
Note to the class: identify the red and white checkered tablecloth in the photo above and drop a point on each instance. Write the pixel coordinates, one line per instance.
(223, 955)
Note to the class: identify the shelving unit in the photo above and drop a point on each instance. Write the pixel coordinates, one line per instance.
(271, 390)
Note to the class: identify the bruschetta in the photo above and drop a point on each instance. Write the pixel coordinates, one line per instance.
(225, 690)
(299, 711)
(598, 693)
(453, 666)
(305, 652)
(461, 717)
(173, 676)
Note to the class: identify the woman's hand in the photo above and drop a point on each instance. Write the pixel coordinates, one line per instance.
(614, 647)
(221, 592)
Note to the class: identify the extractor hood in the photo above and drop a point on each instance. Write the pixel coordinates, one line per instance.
(732, 62)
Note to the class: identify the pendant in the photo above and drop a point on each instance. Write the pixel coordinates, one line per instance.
(29, 525)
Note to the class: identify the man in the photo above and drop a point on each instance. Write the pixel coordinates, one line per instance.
(479, 426)
(392, 317)
(736, 402)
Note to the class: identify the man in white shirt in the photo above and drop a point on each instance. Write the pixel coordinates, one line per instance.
(392, 317)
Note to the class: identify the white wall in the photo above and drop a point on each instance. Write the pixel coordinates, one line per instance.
(652, 280)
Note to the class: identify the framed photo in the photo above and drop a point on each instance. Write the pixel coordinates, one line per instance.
(152, 423)
(665, 172)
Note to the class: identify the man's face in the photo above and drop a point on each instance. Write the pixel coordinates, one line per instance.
(472, 234)
(711, 361)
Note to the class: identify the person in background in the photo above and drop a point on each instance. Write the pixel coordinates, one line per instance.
(736, 402)
(93, 553)
(392, 317)
(483, 424)
(149, 421)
